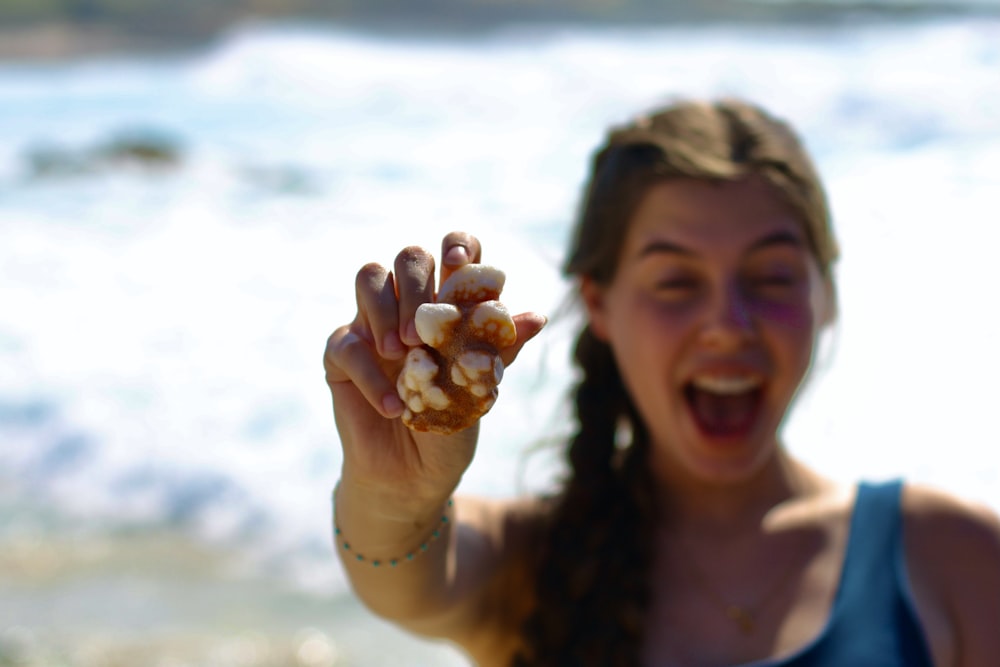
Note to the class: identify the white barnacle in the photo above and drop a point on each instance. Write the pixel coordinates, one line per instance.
(415, 403)
(436, 398)
(474, 362)
(434, 320)
(405, 385)
(472, 282)
(491, 319)
(469, 366)
(420, 366)
(419, 371)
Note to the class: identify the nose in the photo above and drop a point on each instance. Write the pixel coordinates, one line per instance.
(728, 322)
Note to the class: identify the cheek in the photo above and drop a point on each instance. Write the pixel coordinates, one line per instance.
(646, 339)
(797, 311)
(646, 322)
(793, 328)
(795, 316)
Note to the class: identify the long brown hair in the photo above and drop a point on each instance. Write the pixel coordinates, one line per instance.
(591, 580)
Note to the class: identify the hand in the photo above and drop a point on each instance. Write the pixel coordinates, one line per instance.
(364, 358)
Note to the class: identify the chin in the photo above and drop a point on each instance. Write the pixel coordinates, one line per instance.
(714, 462)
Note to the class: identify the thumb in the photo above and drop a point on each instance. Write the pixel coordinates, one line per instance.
(527, 326)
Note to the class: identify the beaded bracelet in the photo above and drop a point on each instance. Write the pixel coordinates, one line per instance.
(392, 562)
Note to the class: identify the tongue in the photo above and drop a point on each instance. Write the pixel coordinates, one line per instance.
(729, 414)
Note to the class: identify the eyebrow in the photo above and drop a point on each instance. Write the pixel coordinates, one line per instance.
(778, 238)
(782, 237)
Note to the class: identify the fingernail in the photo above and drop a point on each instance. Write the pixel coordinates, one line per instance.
(392, 345)
(392, 405)
(457, 255)
(410, 336)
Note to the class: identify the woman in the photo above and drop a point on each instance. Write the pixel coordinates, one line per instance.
(685, 534)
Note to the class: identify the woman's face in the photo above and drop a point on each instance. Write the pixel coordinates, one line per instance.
(713, 315)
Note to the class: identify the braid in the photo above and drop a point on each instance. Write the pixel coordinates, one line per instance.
(591, 582)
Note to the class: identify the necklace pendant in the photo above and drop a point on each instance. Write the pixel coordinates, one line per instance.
(742, 617)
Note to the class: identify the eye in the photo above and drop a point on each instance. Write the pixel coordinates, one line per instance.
(775, 283)
(775, 280)
(676, 288)
(677, 284)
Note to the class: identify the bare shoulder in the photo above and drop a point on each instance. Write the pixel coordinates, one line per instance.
(950, 531)
(502, 519)
(495, 547)
(514, 529)
(953, 557)
(828, 506)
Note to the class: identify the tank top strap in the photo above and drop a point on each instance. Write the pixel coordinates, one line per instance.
(874, 543)
(873, 622)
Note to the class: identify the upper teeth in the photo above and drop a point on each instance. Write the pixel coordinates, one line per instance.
(726, 384)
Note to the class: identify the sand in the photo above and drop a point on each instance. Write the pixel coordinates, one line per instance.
(149, 598)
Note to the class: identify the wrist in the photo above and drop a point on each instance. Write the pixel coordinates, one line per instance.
(402, 549)
(376, 522)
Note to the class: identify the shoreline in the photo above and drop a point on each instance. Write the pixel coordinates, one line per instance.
(60, 41)
(57, 40)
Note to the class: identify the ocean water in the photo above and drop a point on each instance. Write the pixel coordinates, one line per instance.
(162, 324)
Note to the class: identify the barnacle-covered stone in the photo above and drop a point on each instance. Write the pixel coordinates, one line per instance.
(451, 381)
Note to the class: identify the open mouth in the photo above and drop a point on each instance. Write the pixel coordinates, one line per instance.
(724, 406)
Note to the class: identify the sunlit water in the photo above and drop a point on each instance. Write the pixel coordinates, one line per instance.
(161, 329)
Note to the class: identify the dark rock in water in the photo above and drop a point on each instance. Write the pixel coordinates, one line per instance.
(151, 150)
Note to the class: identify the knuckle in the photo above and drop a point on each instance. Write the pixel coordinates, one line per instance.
(333, 346)
(334, 339)
(343, 350)
(350, 346)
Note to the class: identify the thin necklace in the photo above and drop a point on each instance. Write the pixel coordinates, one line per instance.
(744, 616)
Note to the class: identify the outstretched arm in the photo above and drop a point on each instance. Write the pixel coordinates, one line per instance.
(410, 556)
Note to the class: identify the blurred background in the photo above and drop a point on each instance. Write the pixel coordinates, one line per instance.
(188, 188)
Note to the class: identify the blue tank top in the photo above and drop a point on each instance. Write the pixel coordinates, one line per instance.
(873, 622)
